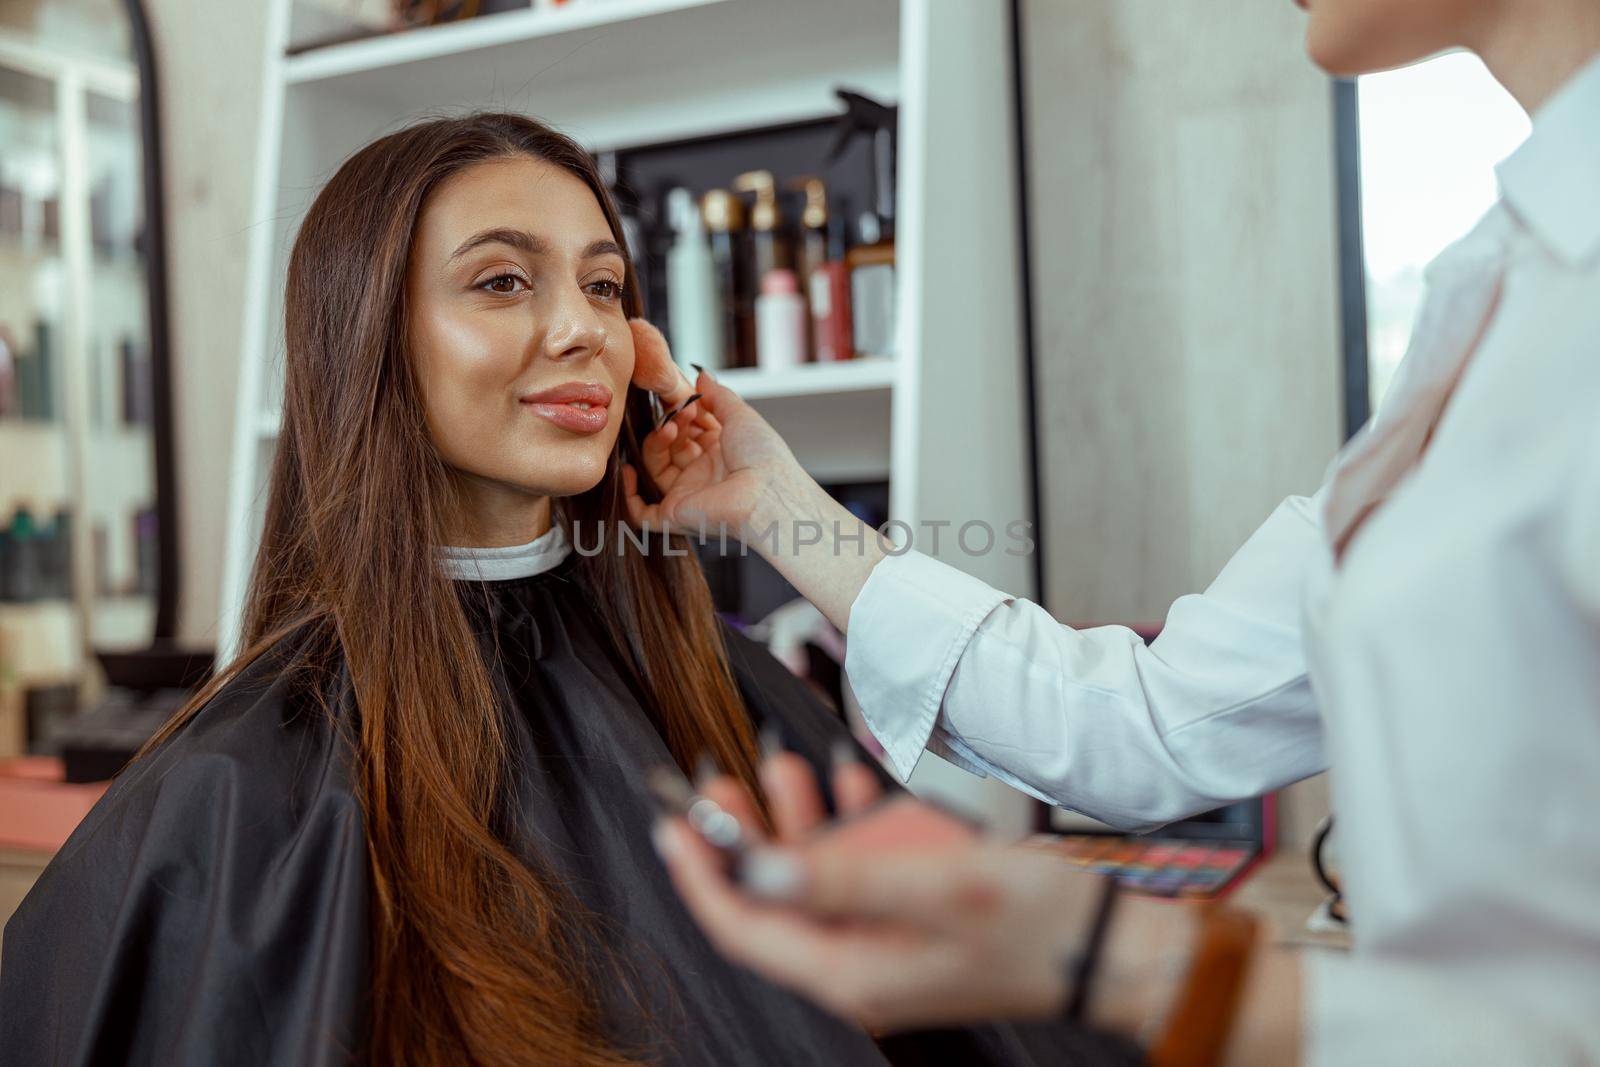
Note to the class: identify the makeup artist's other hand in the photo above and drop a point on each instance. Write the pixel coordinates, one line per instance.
(895, 937)
(714, 461)
(794, 797)
(894, 919)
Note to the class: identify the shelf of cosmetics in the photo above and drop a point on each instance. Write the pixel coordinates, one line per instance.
(35, 557)
(30, 222)
(29, 389)
(748, 285)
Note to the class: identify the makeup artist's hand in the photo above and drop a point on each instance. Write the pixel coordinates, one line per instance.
(894, 935)
(714, 460)
(720, 467)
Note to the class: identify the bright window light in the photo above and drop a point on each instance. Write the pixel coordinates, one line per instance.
(1431, 135)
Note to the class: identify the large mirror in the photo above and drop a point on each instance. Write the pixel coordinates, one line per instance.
(86, 502)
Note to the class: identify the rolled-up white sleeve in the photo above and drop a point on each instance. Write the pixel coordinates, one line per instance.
(909, 626)
(1218, 709)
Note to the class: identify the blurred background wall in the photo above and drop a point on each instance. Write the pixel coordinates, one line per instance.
(1186, 289)
(1186, 298)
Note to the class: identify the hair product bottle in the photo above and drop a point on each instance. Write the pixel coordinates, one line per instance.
(832, 332)
(730, 251)
(780, 321)
(872, 289)
(55, 556)
(45, 383)
(147, 554)
(769, 241)
(694, 314)
(871, 262)
(8, 373)
(22, 579)
(812, 250)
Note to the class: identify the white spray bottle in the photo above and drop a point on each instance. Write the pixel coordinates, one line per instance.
(694, 317)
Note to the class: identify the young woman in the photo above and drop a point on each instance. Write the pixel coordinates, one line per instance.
(409, 823)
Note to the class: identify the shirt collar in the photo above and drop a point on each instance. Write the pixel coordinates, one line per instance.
(511, 561)
(1552, 181)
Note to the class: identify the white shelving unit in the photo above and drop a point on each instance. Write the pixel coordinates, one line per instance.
(944, 421)
(62, 142)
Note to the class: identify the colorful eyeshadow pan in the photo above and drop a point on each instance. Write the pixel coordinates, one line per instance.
(1160, 867)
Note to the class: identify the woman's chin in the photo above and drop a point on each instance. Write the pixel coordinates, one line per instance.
(1343, 49)
(1332, 51)
(574, 478)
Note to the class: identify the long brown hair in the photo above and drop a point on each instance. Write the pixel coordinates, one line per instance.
(473, 954)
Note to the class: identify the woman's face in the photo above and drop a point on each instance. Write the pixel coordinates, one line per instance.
(1349, 37)
(517, 329)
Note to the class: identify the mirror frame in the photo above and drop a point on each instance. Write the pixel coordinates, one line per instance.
(169, 580)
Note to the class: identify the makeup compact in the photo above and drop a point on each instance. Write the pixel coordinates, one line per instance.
(1163, 867)
(1203, 857)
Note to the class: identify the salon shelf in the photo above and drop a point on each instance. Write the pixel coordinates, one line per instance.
(41, 637)
(123, 621)
(811, 379)
(43, 634)
(478, 35)
(620, 72)
(36, 464)
(16, 256)
(25, 432)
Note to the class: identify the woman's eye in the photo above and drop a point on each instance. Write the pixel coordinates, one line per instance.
(504, 284)
(606, 289)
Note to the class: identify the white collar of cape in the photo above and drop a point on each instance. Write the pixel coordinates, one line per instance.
(510, 561)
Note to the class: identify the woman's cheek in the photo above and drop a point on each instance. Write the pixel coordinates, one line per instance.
(621, 380)
(619, 410)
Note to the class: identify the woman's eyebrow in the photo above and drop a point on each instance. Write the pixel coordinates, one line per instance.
(603, 247)
(521, 240)
(532, 244)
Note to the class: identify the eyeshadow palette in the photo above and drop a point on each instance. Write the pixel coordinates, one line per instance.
(1163, 867)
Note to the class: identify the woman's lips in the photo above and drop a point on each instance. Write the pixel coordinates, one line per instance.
(571, 417)
(582, 407)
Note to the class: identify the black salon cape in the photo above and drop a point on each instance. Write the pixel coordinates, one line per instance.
(212, 908)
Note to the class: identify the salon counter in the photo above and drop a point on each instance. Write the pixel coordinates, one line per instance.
(38, 812)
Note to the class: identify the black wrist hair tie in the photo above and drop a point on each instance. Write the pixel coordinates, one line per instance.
(1081, 964)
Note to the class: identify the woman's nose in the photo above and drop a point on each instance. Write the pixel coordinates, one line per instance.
(575, 328)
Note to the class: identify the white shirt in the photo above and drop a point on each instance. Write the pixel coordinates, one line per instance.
(1447, 665)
